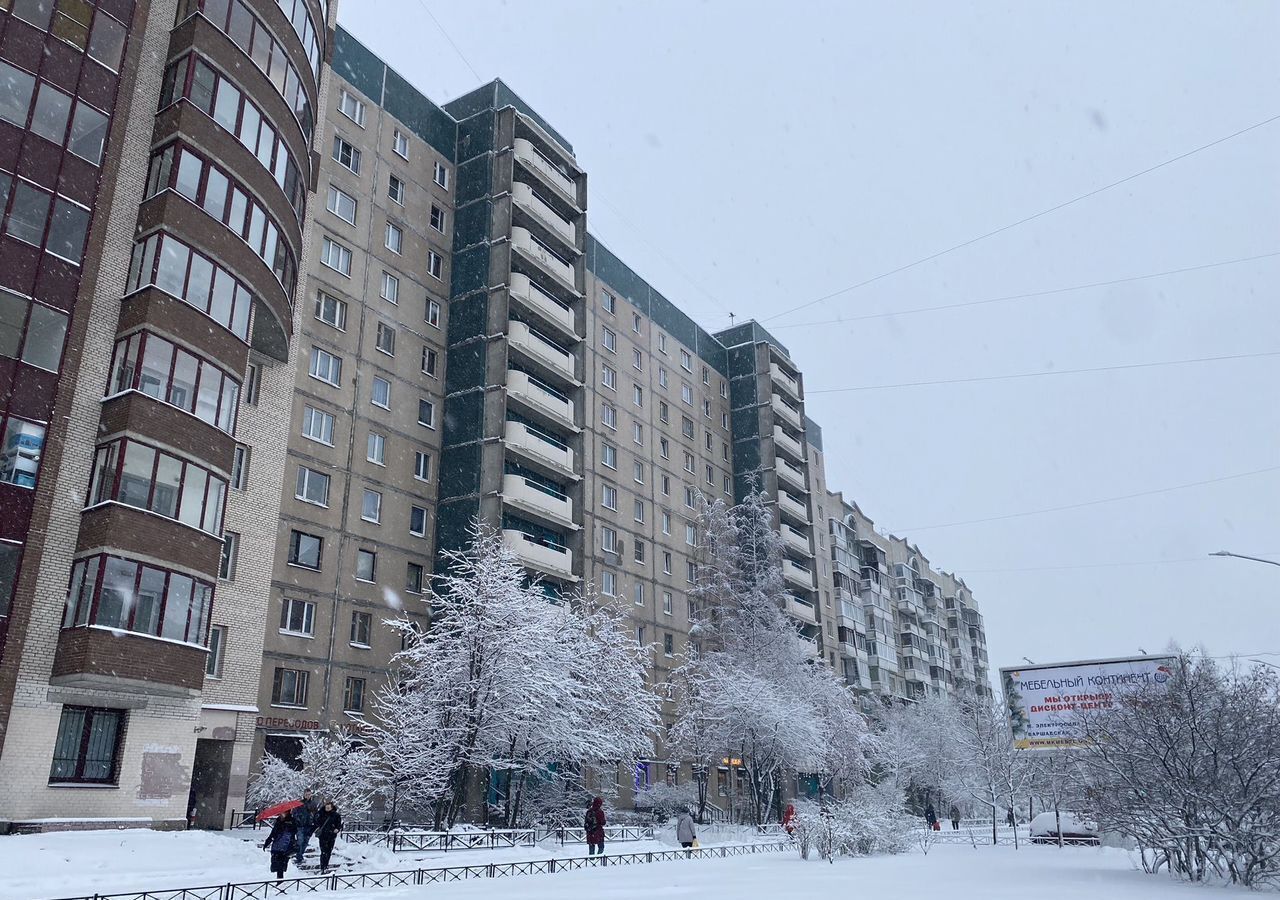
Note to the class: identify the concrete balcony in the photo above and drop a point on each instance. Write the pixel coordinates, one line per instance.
(786, 413)
(800, 576)
(800, 610)
(541, 349)
(784, 380)
(549, 261)
(789, 505)
(547, 171)
(795, 539)
(788, 444)
(849, 649)
(811, 645)
(545, 306)
(529, 200)
(792, 475)
(541, 399)
(542, 501)
(536, 554)
(538, 447)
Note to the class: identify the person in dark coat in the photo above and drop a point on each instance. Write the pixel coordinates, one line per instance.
(305, 816)
(328, 824)
(593, 822)
(284, 832)
(955, 818)
(1010, 819)
(929, 815)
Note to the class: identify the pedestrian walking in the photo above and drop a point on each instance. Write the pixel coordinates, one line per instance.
(955, 818)
(305, 816)
(787, 819)
(328, 824)
(1009, 819)
(284, 832)
(685, 833)
(929, 815)
(593, 823)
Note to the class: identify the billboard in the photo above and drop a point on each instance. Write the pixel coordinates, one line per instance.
(1044, 703)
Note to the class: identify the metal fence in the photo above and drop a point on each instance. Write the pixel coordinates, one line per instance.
(612, 834)
(419, 841)
(340, 881)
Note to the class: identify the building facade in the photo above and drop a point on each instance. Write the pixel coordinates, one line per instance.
(275, 328)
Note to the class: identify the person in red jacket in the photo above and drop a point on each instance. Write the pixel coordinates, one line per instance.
(787, 817)
(593, 822)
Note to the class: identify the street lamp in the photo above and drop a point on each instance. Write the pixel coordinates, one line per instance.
(1270, 562)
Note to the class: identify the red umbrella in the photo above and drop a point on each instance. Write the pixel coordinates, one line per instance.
(279, 809)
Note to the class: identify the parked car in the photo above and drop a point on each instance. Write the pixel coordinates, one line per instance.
(1075, 830)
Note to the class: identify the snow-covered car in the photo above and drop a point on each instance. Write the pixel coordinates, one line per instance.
(1075, 830)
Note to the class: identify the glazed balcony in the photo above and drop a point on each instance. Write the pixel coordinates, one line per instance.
(539, 447)
(547, 503)
(545, 306)
(541, 349)
(540, 555)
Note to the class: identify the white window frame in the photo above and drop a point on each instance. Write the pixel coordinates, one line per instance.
(433, 313)
(426, 517)
(308, 625)
(376, 448)
(390, 289)
(435, 265)
(328, 247)
(421, 460)
(310, 416)
(332, 366)
(339, 307)
(304, 477)
(394, 238)
(431, 419)
(440, 175)
(351, 106)
(377, 380)
(396, 188)
(333, 203)
(609, 497)
(376, 517)
(438, 212)
(400, 144)
(608, 455)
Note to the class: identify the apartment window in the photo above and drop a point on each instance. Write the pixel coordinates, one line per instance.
(297, 616)
(637, 395)
(637, 471)
(638, 550)
(289, 687)
(662, 377)
(608, 539)
(637, 359)
(426, 413)
(706, 408)
(666, 485)
(609, 340)
(352, 108)
(429, 361)
(689, 497)
(638, 592)
(312, 487)
(724, 421)
(361, 626)
(664, 412)
(380, 393)
(640, 634)
(331, 311)
(724, 389)
(371, 506)
(706, 375)
(666, 521)
(711, 475)
(385, 339)
(437, 218)
(609, 302)
(87, 748)
(666, 602)
(326, 367)
(217, 649)
(376, 448)
(686, 361)
(413, 578)
(394, 238)
(609, 583)
(400, 144)
(304, 550)
(691, 534)
(342, 205)
(686, 427)
(353, 695)
(230, 556)
(366, 565)
(240, 468)
(335, 256)
(435, 265)
(421, 465)
(668, 645)
(691, 573)
(637, 433)
(666, 562)
(317, 425)
(662, 343)
(417, 521)
(686, 392)
(689, 462)
(609, 416)
(346, 155)
(433, 313)
(608, 377)
(252, 379)
(638, 511)
(441, 176)
(395, 189)
(728, 489)
(635, 322)
(609, 455)
(609, 497)
(708, 441)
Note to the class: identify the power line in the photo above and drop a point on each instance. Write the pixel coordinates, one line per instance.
(1107, 565)
(1031, 294)
(1031, 218)
(1087, 503)
(456, 49)
(982, 378)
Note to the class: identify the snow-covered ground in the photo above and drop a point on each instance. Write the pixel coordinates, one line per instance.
(41, 867)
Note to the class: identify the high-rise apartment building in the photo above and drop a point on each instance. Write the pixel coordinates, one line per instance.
(275, 327)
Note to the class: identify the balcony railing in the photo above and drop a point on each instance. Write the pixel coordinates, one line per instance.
(797, 574)
(787, 443)
(531, 496)
(784, 380)
(552, 262)
(529, 200)
(532, 158)
(795, 539)
(540, 397)
(789, 504)
(542, 349)
(545, 305)
(789, 473)
(542, 447)
(540, 555)
(799, 609)
(786, 413)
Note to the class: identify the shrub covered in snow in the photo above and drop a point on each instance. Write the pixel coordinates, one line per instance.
(873, 821)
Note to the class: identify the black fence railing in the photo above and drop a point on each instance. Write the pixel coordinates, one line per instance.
(343, 881)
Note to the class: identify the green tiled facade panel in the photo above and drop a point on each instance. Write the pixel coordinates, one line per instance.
(356, 63)
(504, 96)
(466, 368)
(471, 225)
(453, 519)
(750, 333)
(470, 273)
(475, 135)
(463, 420)
(461, 478)
(474, 179)
(813, 433)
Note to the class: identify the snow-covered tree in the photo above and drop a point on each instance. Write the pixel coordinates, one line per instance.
(993, 773)
(334, 766)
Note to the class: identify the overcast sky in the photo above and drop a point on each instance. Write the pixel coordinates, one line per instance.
(752, 157)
